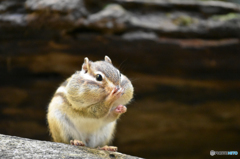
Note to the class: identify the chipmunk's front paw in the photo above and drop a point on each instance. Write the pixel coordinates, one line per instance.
(77, 143)
(108, 148)
(120, 109)
(115, 94)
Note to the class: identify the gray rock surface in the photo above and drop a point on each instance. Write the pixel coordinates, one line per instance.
(16, 147)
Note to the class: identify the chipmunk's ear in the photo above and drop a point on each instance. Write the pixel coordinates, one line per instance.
(107, 59)
(86, 65)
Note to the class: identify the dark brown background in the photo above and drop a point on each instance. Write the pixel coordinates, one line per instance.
(186, 80)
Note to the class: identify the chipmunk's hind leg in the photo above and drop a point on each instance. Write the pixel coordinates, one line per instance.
(108, 148)
(77, 143)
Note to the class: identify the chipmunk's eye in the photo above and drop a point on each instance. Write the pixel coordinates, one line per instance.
(119, 73)
(99, 77)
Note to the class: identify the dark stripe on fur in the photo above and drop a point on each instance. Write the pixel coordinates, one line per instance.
(70, 124)
(93, 83)
(64, 84)
(63, 96)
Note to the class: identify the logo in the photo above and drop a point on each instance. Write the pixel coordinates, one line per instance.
(212, 152)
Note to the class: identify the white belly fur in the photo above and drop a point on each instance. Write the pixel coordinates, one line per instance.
(92, 132)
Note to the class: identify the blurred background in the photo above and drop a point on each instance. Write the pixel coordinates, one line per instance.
(182, 57)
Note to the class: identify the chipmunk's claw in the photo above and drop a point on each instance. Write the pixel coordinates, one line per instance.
(77, 143)
(118, 91)
(108, 148)
(115, 94)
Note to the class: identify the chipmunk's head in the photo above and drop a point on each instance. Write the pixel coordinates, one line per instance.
(96, 82)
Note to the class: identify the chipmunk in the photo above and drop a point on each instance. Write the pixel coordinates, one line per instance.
(85, 108)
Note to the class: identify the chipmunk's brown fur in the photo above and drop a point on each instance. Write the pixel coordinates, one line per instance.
(85, 107)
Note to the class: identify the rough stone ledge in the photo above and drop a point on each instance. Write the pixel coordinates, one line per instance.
(17, 147)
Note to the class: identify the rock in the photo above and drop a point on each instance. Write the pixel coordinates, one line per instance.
(12, 147)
